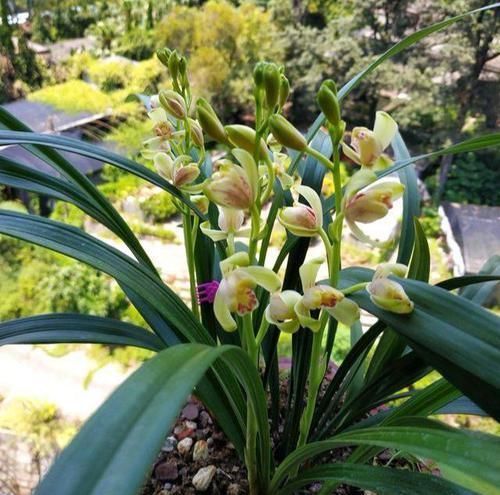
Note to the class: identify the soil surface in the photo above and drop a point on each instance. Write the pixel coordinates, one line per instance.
(197, 443)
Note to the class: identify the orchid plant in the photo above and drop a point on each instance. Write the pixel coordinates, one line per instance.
(223, 347)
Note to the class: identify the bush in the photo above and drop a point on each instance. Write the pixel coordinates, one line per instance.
(474, 178)
(68, 213)
(430, 222)
(159, 207)
(137, 44)
(73, 97)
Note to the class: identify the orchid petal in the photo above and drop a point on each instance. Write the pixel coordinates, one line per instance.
(249, 166)
(385, 128)
(305, 319)
(311, 196)
(309, 271)
(222, 313)
(351, 153)
(345, 311)
(264, 277)
(215, 235)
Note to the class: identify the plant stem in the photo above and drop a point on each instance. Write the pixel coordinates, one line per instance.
(251, 430)
(254, 233)
(321, 158)
(189, 246)
(314, 379)
(354, 288)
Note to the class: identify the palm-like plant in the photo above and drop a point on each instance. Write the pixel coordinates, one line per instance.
(420, 327)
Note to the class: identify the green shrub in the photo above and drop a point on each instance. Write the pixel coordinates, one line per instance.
(73, 97)
(144, 229)
(159, 207)
(474, 178)
(430, 222)
(68, 213)
(137, 44)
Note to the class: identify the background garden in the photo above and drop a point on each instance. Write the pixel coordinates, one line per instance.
(83, 60)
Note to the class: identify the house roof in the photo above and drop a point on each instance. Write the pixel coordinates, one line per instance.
(46, 119)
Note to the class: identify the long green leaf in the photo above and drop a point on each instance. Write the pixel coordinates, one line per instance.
(476, 455)
(76, 328)
(80, 180)
(83, 247)
(377, 479)
(473, 144)
(92, 151)
(411, 201)
(136, 419)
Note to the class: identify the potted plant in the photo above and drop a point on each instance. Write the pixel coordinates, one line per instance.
(224, 348)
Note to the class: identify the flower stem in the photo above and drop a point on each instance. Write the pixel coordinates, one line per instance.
(354, 288)
(250, 345)
(316, 371)
(254, 233)
(321, 158)
(189, 246)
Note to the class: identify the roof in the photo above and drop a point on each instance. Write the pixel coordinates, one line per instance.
(88, 166)
(45, 118)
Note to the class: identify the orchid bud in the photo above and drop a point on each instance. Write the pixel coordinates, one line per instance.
(330, 84)
(163, 56)
(173, 64)
(209, 121)
(321, 296)
(286, 134)
(385, 269)
(374, 203)
(284, 90)
(242, 136)
(389, 295)
(173, 103)
(185, 175)
(329, 104)
(272, 85)
(300, 220)
(303, 220)
(230, 187)
(164, 165)
(281, 311)
(196, 133)
(258, 74)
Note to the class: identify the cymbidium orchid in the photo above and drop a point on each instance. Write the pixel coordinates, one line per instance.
(232, 186)
(303, 220)
(281, 162)
(281, 311)
(367, 147)
(181, 172)
(324, 297)
(230, 223)
(236, 291)
(373, 203)
(389, 295)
